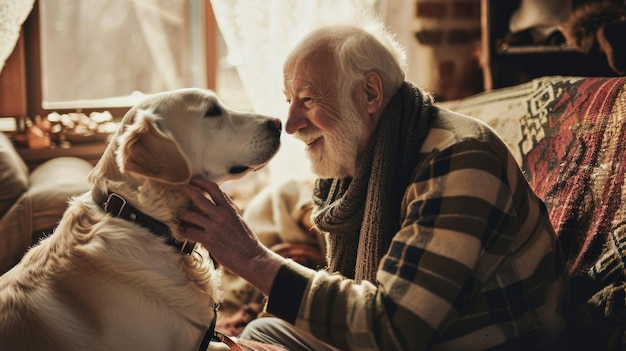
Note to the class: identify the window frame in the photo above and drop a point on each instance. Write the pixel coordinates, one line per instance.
(21, 80)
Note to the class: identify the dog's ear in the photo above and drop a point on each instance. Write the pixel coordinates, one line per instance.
(147, 151)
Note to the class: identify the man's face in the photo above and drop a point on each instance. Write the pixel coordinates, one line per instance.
(331, 130)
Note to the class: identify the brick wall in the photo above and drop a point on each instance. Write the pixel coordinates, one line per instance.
(446, 48)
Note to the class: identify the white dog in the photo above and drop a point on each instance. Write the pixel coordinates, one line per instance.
(112, 275)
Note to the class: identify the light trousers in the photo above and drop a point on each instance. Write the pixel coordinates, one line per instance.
(275, 331)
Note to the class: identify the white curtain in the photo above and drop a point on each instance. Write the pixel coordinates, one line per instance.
(12, 14)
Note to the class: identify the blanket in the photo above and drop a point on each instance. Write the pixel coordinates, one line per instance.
(569, 138)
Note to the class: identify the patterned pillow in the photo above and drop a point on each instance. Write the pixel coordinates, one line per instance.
(569, 137)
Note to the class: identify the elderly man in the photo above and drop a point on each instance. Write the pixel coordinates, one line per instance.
(435, 239)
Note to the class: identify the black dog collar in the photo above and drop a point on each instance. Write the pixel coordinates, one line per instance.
(117, 206)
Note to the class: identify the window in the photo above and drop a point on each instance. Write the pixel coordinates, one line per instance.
(98, 53)
(92, 55)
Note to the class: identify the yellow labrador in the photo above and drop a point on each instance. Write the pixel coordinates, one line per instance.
(112, 275)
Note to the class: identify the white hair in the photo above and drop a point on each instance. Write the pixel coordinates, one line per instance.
(360, 44)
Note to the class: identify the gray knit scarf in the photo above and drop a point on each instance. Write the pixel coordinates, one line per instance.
(361, 215)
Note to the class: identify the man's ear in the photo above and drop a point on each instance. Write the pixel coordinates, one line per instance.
(374, 91)
(146, 151)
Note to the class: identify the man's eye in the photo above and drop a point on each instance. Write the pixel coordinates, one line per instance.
(307, 102)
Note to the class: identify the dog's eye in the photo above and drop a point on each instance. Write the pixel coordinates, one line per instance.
(213, 111)
(238, 169)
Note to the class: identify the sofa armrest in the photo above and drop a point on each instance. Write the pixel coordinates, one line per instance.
(13, 175)
(41, 207)
(52, 184)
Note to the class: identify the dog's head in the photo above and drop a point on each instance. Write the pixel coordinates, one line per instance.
(172, 136)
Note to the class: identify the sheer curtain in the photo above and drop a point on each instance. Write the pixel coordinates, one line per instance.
(12, 14)
(111, 52)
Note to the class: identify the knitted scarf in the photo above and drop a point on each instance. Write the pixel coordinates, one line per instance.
(361, 215)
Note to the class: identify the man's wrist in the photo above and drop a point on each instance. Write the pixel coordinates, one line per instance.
(264, 269)
(288, 289)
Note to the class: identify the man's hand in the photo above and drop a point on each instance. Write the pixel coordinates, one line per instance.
(215, 222)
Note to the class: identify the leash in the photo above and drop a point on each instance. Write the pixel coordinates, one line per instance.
(212, 335)
(226, 340)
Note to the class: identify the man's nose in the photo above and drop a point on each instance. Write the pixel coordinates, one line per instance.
(296, 120)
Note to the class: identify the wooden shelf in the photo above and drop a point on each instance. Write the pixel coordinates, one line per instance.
(88, 151)
(533, 49)
(508, 65)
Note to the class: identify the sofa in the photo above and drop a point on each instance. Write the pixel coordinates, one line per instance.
(33, 202)
(569, 137)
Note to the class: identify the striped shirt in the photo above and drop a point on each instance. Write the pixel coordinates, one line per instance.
(475, 265)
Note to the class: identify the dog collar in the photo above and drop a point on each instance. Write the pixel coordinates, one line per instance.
(117, 206)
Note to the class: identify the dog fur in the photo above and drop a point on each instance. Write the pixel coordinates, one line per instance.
(105, 283)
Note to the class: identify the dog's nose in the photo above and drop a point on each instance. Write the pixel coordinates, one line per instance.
(275, 124)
